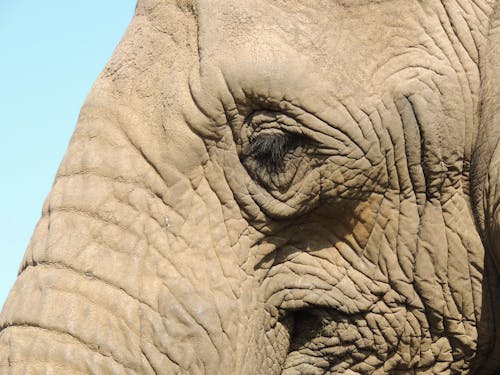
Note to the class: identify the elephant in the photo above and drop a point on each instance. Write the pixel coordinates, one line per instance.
(275, 187)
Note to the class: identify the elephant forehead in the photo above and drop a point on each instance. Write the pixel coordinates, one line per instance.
(339, 40)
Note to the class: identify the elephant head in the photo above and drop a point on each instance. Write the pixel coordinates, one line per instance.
(275, 187)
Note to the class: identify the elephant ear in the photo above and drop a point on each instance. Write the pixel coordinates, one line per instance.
(485, 185)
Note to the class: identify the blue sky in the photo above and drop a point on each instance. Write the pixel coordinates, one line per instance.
(51, 53)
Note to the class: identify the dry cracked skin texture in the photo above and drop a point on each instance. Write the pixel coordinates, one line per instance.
(275, 187)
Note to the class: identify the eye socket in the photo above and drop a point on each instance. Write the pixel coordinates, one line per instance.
(269, 149)
(275, 151)
(294, 160)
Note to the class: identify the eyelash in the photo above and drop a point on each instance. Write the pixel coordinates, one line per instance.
(270, 149)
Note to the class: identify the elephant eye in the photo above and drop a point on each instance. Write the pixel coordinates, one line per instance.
(270, 149)
(274, 150)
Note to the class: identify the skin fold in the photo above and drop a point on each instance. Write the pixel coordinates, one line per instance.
(275, 187)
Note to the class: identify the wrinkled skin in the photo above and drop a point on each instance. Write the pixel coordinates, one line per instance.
(275, 187)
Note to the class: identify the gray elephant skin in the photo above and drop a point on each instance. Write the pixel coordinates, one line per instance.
(275, 187)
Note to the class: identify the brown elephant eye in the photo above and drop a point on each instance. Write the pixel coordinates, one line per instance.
(269, 150)
(276, 150)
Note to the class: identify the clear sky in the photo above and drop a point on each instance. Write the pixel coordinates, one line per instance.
(51, 52)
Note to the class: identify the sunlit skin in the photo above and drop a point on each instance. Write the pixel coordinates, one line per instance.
(275, 187)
